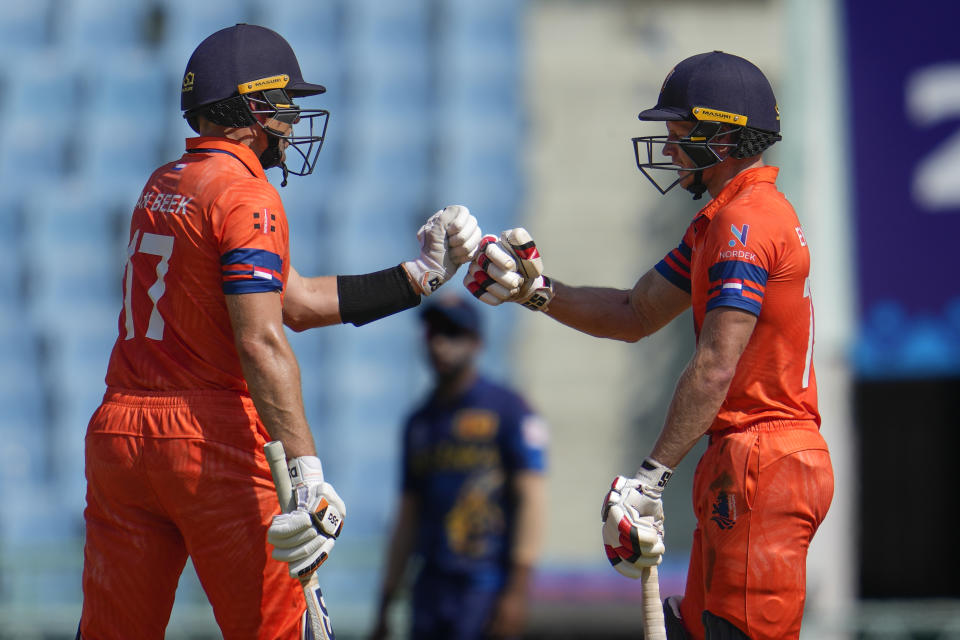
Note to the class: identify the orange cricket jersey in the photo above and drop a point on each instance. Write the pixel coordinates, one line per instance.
(746, 250)
(206, 225)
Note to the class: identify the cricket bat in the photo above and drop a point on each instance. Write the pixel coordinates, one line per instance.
(653, 625)
(318, 618)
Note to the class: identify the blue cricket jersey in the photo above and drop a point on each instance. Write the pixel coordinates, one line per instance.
(460, 458)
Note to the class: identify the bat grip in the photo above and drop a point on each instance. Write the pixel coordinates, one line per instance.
(277, 460)
(653, 624)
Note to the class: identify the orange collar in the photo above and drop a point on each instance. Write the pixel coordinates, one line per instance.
(739, 182)
(241, 152)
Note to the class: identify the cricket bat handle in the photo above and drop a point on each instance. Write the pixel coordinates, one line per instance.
(653, 625)
(317, 615)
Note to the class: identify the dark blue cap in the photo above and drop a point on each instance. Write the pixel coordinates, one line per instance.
(452, 312)
(717, 87)
(241, 59)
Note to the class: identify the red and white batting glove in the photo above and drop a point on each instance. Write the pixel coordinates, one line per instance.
(448, 238)
(632, 519)
(509, 270)
(305, 537)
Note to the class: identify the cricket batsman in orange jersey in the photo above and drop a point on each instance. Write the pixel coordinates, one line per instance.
(202, 375)
(765, 482)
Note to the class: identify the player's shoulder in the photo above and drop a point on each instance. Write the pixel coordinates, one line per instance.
(249, 190)
(500, 396)
(216, 173)
(487, 385)
(759, 205)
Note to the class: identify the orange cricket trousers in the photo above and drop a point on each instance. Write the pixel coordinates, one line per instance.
(759, 496)
(171, 475)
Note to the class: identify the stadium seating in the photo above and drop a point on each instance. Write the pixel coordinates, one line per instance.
(26, 26)
(104, 30)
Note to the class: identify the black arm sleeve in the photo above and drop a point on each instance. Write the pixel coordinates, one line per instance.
(375, 295)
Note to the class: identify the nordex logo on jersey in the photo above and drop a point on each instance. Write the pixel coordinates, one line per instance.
(739, 234)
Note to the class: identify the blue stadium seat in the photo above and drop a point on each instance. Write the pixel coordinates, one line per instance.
(23, 498)
(24, 469)
(389, 157)
(11, 257)
(389, 25)
(22, 395)
(21, 385)
(134, 86)
(494, 21)
(26, 26)
(40, 123)
(391, 80)
(481, 70)
(35, 154)
(374, 226)
(47, 88)
(75, 250)
(321, 26)
(94, 27)
(119, 157)
(80, 352)
(188, 22)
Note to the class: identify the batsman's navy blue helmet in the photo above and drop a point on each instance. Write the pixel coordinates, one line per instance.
(238, 60)
(725, 96)
(246, 75)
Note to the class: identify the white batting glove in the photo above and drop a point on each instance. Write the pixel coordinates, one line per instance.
(304, 537)
(632, 519)
(448, 238)
(510, 270)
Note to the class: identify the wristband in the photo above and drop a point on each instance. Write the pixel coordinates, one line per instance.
(541, 297)
(372, 296)
(654, 474)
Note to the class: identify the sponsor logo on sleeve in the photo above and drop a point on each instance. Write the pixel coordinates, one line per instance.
(740, 235)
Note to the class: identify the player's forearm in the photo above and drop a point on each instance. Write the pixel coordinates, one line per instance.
(704, 384)
(273, 379)
(597, 311)
(530, 495)
(358, 299)
(696, 401)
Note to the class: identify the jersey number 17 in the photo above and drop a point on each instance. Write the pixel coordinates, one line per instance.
(155, 245)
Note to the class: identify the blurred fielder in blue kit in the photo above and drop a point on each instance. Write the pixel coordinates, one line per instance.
(472, 499)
